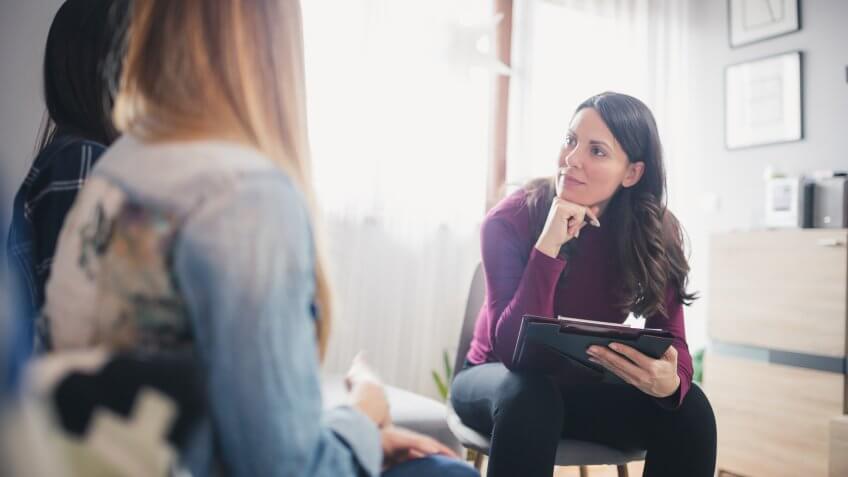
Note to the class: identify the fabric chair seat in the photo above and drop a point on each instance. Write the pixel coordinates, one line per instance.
(569, 451)
(409, 410)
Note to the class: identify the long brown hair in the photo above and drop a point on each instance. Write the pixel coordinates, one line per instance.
(228, 69)
(648, 237)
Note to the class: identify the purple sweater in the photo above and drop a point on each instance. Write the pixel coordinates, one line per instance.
(521, 280)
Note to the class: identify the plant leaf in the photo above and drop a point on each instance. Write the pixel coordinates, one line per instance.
(448, 367)
(443, 390)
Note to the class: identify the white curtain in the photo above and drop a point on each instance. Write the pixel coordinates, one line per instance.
(398, 104)
(565, 51)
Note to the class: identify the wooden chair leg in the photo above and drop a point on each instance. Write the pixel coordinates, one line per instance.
(478, 460)
(622, 471)
(584, 471)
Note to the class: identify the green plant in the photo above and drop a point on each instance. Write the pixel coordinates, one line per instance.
(698, 365)
(443, 381)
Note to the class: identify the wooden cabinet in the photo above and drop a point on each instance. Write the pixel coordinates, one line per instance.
(775, 371)
(773, 420)
(782, 290)
(839, 447)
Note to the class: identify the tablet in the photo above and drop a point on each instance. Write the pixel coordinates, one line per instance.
(558, 346)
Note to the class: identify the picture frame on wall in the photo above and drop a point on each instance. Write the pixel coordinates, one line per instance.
(763, 103)
(755, 20)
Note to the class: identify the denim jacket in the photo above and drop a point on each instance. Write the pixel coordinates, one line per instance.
(209, 245)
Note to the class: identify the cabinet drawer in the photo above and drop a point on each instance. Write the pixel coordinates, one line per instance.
(773, 420)
(783, 290)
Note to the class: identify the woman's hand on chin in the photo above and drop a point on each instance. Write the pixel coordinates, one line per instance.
(565, 220)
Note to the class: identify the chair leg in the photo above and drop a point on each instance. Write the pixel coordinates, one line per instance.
(622, 471)
(584, 471)
(478, 460)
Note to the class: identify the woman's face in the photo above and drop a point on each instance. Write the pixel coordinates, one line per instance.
(592, 164)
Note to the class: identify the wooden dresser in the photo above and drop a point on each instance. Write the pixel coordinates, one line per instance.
(775, 369)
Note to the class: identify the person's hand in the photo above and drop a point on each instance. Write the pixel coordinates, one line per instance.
(655, 377)
(361, 372)
(565, 219)
(367, 392)
(400, 445)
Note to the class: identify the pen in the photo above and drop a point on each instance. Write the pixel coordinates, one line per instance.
(591, 221)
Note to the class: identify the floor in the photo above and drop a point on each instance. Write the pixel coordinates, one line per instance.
(634, 469)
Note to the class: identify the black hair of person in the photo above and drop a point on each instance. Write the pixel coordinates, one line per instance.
(649, 240)
(82, 67)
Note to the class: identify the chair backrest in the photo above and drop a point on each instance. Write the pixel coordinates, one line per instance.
(476, 293)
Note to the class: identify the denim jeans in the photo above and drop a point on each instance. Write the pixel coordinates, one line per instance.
(432, 466)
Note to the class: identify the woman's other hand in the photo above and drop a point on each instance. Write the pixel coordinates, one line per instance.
(565, 219)
(400, 445)
(367, 392)
(656, 377)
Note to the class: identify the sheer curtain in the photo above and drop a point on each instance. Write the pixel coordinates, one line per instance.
(567, 50)
(398, 105)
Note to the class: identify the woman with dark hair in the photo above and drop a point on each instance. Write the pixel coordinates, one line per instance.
(540, 258)
(81, 70)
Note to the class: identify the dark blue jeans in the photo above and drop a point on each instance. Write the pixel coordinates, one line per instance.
(432, 466)
(527, 414)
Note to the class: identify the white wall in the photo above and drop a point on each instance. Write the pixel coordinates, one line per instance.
(23, 33)
(735, 178)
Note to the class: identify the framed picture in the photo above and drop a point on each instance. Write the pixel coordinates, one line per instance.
(755, 20)
(763, 101)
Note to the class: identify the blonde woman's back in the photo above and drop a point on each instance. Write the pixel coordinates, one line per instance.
(207, 245)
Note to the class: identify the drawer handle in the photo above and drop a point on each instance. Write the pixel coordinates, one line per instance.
(830, 242)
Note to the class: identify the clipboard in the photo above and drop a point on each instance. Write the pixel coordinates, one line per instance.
(557, 347)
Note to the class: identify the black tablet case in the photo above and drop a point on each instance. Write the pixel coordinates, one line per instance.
(557, 347)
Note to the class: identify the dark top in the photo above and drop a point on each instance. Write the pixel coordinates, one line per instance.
(45, 197)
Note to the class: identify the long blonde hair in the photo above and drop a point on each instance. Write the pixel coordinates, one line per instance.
(230, 69)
